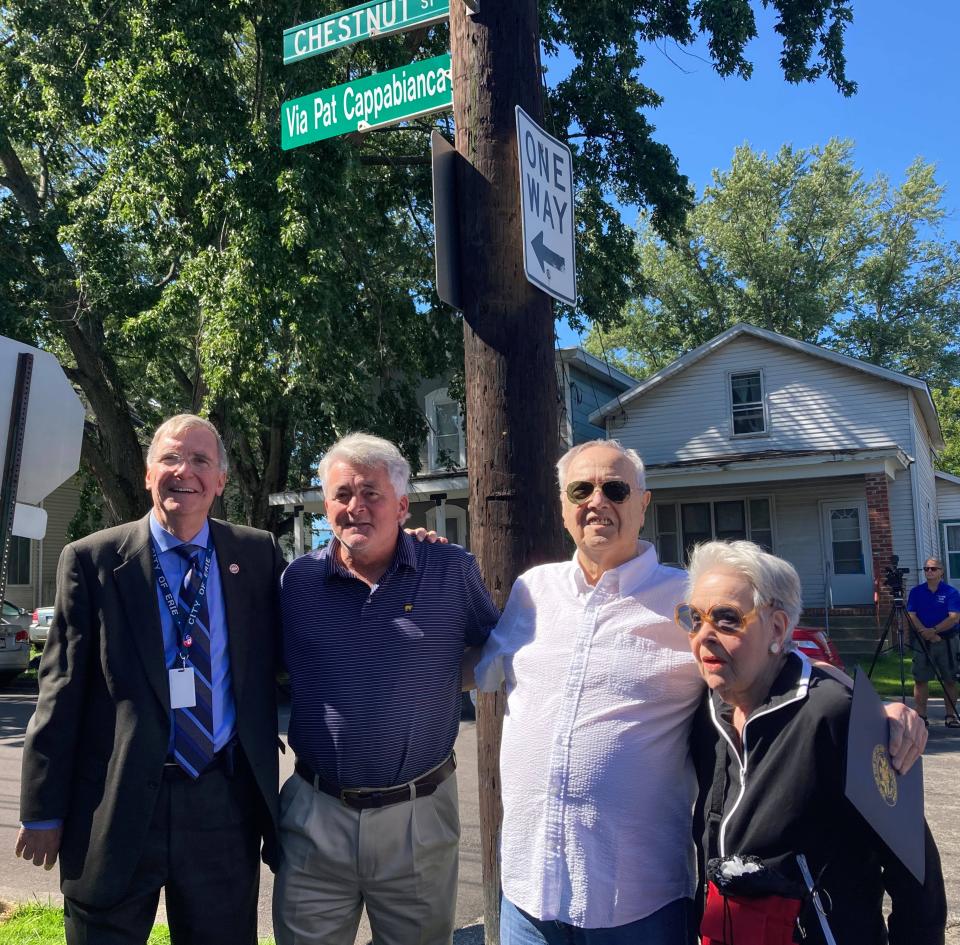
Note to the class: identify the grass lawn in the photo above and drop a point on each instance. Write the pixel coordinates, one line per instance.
(36, 924)
(886, 676)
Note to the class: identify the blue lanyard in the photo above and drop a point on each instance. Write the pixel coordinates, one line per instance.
(183, 622)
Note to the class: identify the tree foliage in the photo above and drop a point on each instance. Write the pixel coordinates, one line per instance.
(155, 237)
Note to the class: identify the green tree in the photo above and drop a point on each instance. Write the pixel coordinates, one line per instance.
(801, 244)
(947, 401)
(155, 237)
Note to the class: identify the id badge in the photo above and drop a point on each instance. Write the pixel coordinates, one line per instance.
(183, 689)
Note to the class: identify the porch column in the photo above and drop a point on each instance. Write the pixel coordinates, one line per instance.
(881, 534)
(299, 541)
(440, 523)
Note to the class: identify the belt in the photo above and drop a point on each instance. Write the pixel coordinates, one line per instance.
(366, 798)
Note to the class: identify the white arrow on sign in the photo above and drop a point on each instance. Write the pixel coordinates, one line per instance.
(546, 200)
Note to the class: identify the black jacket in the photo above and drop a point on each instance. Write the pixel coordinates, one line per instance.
(791, 800)
(96, 745)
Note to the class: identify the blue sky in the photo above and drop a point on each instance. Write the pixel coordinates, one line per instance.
(903, 57)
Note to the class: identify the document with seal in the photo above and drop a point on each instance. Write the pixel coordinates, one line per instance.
(891, 803)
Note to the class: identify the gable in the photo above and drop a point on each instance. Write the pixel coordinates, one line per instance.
(812, 404)
(814, 352)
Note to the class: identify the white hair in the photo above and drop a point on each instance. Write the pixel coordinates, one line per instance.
(367, 451)
(180, 424)
(571, 454)
(774, 580)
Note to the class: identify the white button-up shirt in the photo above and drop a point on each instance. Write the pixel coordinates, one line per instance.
(598, 785)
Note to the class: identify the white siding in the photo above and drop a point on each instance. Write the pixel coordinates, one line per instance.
(948, 500)
(926, 484)
(811, 404)
(61, 506)
(900, 495)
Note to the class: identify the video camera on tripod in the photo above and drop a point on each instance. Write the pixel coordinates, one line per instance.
(893, 578)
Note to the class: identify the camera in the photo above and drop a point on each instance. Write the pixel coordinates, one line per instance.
(893, 576)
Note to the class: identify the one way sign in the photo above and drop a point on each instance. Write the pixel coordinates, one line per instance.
(546, 197)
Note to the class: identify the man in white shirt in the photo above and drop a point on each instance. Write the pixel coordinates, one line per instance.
(598, 785)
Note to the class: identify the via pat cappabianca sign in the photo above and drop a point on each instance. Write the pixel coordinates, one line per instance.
(376, 101)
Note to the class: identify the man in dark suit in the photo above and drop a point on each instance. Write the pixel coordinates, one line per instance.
(151, 760)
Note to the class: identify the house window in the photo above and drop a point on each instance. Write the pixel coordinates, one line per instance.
(445, 445)
(668, 535)
(682, 525)
(746, 403)
(18, 564)
(951, 551)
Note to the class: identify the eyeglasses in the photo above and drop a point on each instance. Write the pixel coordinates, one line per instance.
(581, 491)
(724, 617)
(927, 568)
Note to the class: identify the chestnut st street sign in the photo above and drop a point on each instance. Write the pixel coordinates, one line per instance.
(376, 101)
(366, 21)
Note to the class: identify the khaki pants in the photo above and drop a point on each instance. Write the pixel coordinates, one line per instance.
(400, 861)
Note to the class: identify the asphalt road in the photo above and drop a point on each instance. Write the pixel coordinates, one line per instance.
(21, 881)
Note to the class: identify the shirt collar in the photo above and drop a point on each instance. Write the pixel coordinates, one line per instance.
(791, 684)
(167, 541)
(624, 580)
(405, 556)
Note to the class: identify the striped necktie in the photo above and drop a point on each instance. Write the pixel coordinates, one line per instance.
(193, 728)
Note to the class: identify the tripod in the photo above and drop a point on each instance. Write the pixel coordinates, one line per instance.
(898, 623)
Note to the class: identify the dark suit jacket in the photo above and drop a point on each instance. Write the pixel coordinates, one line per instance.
(95, 748)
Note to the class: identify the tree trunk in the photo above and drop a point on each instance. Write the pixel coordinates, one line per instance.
(511, 385)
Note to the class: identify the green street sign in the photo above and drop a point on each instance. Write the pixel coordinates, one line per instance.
(366, 21)
(376, 101)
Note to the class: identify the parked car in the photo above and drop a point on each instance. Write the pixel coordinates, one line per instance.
(14, 641)
(15, 615)
(817, 645)
(40, 625)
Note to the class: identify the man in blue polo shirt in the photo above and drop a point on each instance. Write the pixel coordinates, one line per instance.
(375, 628)
(934, 609)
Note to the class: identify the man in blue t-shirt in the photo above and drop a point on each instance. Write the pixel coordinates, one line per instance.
(934, 609)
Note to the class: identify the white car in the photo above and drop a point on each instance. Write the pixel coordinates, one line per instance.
(14, 642)
(40, 625)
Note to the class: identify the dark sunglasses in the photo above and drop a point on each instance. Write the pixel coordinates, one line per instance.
(926, 568)
(616, 490)
(724, 617)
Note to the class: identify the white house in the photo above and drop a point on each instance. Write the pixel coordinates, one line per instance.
(824, 459)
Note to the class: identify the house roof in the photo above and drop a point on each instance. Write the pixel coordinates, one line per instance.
(946, 477)
(586, 362)
(921, 389)
(774, 455)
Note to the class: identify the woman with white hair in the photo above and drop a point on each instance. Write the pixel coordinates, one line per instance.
(777, 817)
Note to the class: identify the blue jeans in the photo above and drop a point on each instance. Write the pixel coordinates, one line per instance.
(667, 926)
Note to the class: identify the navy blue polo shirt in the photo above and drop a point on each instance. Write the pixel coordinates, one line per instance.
(932, 607)
(375, 674)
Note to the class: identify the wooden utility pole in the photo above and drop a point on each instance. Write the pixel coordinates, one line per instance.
(511, 382)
